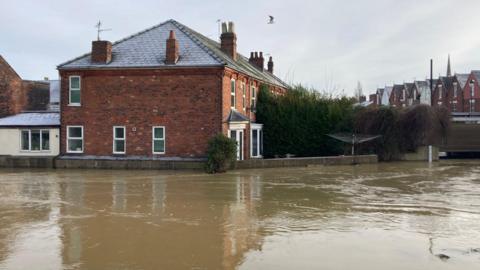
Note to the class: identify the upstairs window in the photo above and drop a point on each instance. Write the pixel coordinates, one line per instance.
(158, 140)
(472, 89)
(232, 93)
(439, 91)
(74, 87)
(244, 102)
(455, 89)
(119, 140)
(35, 140)
(253, 102)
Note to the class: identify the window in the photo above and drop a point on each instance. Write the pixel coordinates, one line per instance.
(472, 89)
(35, 140)
(232, 93)
(455, 89)
(158, 140)
(75, 139)
(119, 138)
(74, 90)
(454, 106)
(439, 91)
(403, 94)
(256, 141)
(472, 105)
(244, 102)
(254, 98)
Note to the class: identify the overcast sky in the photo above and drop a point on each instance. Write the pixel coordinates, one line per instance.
(322, 43)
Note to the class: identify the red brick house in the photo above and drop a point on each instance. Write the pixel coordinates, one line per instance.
(459, 82)
(398, 97)
(471, 93)
(17, 95)
(163, 92)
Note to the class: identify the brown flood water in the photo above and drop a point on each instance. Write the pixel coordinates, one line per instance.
(385, 216)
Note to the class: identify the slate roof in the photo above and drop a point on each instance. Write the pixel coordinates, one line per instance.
(31, 119)
(146, 49)
(409, 87)
(462, 79)
(235, 116)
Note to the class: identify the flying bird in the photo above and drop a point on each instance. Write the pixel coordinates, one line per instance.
(271, 19)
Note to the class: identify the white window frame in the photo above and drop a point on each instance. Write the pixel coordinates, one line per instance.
(70, 89)
(75, 138)
(440, 88)
(233, 93)
(455, 89)
(155, 139)
(30, 141)
(472, 90)
(244, 96)
(253, 101)
(124, 139)
(259, 129)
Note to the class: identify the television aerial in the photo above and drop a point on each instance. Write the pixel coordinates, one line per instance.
(99, 29)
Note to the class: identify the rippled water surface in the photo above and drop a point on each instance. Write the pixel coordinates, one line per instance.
(385, 216)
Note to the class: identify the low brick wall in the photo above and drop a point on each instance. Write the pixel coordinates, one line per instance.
(173, 164)
(129, 164)
(304, 162)
(26, 162)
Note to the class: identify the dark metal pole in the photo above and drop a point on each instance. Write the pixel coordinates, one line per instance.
(431, 82)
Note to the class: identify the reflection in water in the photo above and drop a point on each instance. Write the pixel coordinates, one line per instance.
(385, 216)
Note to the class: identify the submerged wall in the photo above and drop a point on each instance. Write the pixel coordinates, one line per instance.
(72, 162)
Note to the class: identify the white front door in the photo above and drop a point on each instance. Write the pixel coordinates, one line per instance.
(237, 135)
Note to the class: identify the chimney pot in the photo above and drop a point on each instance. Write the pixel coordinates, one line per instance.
(101, 52)
(224, 28)
(231, 27)
(172, 50)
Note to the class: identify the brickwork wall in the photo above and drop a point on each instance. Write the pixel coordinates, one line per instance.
(186, 101)
(11, 90)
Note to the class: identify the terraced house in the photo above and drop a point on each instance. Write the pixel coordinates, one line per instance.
(163, 93)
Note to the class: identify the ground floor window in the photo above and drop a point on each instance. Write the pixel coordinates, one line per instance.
(75, 139)
(35, 140)
(237, 135)
(158, 140)
(256, 142)
(119, 140)
(472, 105)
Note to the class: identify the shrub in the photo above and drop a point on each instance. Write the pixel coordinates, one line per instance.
(222, 153)
(402, 130)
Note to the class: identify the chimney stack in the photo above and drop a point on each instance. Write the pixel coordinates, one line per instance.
(101, 52)
(257, 60)
(172, 49)
(228, 40)
(270, 65)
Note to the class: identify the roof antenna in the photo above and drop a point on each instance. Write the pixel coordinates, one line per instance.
(219, 22)
(99, 29)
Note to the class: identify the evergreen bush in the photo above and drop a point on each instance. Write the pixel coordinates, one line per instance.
(221, 154)
(297, 122)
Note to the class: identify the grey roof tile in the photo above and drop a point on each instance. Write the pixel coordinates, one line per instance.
(235, 116)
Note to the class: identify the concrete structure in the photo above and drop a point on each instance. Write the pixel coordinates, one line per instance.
(162, 93)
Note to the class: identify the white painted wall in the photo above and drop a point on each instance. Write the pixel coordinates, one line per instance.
(10, 143)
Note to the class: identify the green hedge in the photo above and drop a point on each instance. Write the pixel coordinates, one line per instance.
(298, 121)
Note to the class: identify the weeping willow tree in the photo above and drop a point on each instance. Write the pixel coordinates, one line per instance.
(402, 130)
(297, 122)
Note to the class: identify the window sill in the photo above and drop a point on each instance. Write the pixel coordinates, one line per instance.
(74, 152)
(35, 151)
(159, 153)
(74, 105)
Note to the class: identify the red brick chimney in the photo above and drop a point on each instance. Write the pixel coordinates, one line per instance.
(256, 60)
(228, 40)
(101, 52)
(270, 65)
(172, 49)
